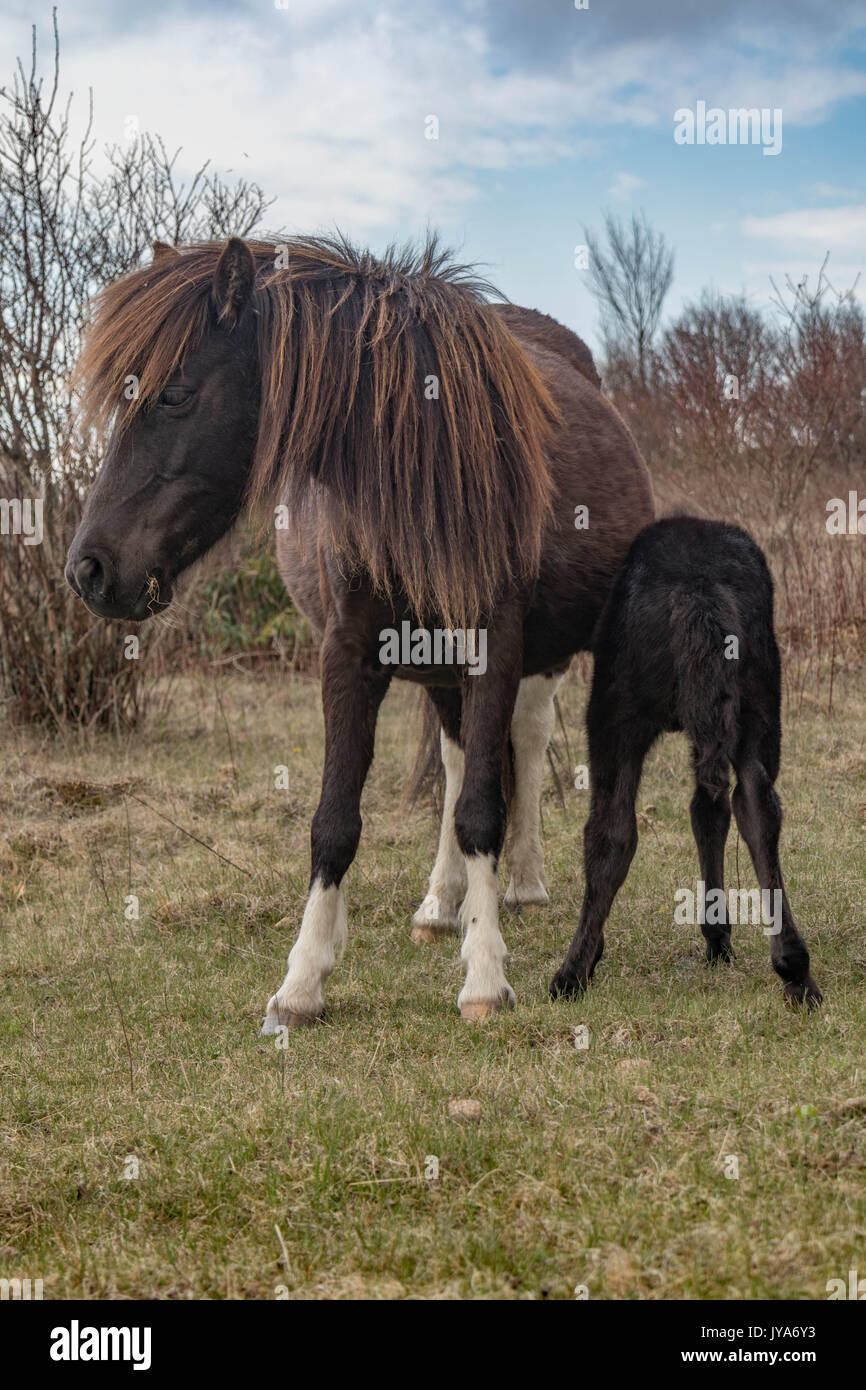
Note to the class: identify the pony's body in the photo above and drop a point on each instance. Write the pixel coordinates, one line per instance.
(433, 451)
(559, 620)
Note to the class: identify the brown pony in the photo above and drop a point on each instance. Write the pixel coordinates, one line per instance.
(459, 497)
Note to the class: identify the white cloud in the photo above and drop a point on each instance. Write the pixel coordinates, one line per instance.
(624, 185)
(324, 103)
(334, 127)
(839, 228)
(832, 190)
(801, 238)
(756, 277)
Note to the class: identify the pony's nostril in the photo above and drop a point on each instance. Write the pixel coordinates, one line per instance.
(89, 575)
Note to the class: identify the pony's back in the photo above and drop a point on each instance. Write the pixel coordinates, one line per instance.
(546, 332)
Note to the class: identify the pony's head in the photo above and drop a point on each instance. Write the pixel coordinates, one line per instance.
(387, 387)
(171, 360)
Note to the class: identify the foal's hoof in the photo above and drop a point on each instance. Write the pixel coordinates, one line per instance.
(277, 1018)
(477, 1010)
(806, 992)
(567, 986)
(720, 952)
(526, 892)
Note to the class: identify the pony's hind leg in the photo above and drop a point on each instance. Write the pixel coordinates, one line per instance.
(447, 888)
(759, 816)
(352, 691)
(437, 913)
(531, 729)
(480, 816)
(711, 817)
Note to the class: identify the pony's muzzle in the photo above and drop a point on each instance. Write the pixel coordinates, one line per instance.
(91, 578)
(87, 577)
(94, 578)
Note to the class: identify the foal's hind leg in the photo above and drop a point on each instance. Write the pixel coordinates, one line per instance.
(437, 913)
(610, 840)
(711, 817)
(352, 691)
(531, 729)
(759, 816)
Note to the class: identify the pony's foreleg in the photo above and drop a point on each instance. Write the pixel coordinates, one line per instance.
(479, 820)
(447, 888)
(352, 691)
(531, 729)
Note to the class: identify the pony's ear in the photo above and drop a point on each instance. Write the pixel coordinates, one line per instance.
(163, 252)
(233, 281)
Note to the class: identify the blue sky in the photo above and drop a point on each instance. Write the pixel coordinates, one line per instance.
(548, 116)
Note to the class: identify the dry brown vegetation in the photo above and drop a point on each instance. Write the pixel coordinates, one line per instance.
(762, 421)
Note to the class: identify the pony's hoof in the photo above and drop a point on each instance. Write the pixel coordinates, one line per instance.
(277, 1018)
(477, 1010)
(428, 933)
(806, 992)
(526, 892)
(433, 920)
(429, 936)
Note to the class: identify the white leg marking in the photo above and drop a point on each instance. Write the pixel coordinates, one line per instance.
(438, 911)
(486, 988)
(320, 943)
(531, 729)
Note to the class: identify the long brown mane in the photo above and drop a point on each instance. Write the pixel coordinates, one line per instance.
(443, 498)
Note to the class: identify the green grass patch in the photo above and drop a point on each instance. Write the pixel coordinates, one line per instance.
(154, 1145)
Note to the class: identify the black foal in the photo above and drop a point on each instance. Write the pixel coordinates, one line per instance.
(686, 642)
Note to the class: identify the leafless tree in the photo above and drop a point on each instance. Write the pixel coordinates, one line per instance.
(630, 273)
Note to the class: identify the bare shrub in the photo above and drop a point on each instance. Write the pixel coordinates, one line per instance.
(761, 420)
(65, 230)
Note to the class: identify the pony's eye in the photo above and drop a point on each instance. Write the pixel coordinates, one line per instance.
(174, 395)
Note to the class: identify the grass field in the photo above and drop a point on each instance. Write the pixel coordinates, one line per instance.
(131, 1046)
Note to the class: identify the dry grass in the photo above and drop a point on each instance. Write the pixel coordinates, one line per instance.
(261, 1170)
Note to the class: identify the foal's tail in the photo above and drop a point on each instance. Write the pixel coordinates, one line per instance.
(705, 640)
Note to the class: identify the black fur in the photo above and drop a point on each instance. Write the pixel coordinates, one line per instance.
(687, 587)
